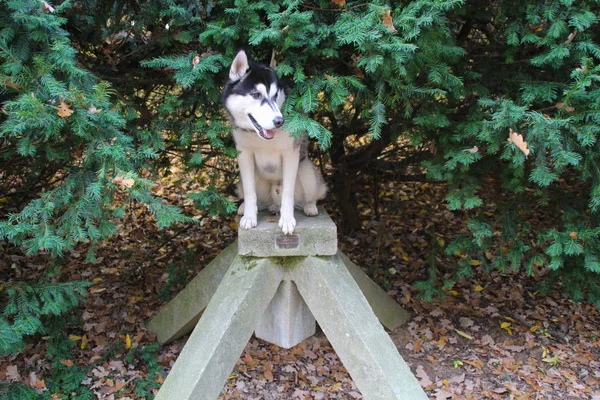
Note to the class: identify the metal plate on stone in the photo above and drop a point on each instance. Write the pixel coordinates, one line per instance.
(287, 242)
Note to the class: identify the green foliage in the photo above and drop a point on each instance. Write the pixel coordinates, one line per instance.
(27, 305)
(148, 357)
(65, 381)
(177, 273)
(536, 73)
(446, 83)
(17, 391)
(213, 201)
(83, 149)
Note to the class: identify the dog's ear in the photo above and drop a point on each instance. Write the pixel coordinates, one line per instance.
(273, 63)
(239, 66)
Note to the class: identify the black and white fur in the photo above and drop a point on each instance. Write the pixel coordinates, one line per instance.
(275, 171)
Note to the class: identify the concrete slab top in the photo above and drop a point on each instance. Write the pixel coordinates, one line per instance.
(313, 236)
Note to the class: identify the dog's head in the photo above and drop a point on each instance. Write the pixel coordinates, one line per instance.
(253, 97)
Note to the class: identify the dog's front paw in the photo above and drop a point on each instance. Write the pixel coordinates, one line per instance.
(287, 224)
(248, 221)
(311, 210)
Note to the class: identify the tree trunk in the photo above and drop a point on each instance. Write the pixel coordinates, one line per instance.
(343, 187)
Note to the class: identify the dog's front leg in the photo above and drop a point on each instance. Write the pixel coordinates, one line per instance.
(246, 163)
(290, 162)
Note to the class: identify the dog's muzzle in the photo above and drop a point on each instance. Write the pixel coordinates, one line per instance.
(267, 134)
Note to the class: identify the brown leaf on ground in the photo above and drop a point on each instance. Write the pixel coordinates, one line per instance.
(137, 263)
(424, 379)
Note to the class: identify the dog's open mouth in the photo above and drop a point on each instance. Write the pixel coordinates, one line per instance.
(264, 133)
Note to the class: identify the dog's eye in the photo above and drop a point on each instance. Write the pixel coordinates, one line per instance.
(256, 95)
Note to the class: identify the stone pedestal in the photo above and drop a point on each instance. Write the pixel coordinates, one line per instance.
(287, 320)
(276, 286)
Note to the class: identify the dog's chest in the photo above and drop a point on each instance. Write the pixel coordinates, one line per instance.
(268, 154)
(268, 165)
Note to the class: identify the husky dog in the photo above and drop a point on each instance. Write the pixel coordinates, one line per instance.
(275, 171)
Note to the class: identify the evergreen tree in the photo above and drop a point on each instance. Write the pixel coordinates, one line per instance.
(95, 91)
(65, 152)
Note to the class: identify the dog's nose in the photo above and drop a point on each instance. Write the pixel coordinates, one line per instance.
(278, 121)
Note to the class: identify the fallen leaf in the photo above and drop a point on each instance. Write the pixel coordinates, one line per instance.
(120, 385)
(561, 105)
(442, 395)
(36, 383)
(478, 288)
(12, 373)
(475, 363)
(268, 374)
(571, 36)
(472, 150)
(94, 110)
(127, 341)
(424, 379)
(40, 384)
(47, 7)
(506, 327)
(418, 345)
(123, 182)
(63, 110)
(340, 3)
(518, 140)
(463, 334)
(316, 346)
(551, 360)
(387, 20)
(11, 84)
(196, 61)
(67, 363)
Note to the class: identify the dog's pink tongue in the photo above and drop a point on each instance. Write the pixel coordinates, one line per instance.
(270, 133)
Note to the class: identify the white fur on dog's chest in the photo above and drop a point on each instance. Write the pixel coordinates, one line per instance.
(268, 165)
(267, 153)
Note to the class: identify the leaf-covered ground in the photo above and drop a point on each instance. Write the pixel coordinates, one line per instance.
(492, 336)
